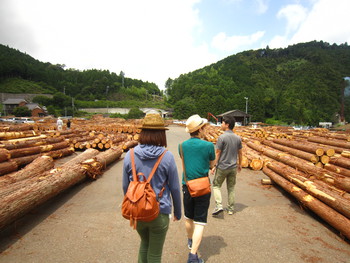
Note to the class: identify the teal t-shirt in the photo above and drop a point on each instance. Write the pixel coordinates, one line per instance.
(198, 154)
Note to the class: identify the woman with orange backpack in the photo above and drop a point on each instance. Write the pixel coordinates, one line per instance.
(165, 184)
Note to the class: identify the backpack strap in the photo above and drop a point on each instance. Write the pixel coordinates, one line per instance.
(156, 166)
(133, 167)
(136, 178)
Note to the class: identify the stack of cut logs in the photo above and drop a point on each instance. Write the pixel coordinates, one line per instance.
(313, 166)
(33, 148)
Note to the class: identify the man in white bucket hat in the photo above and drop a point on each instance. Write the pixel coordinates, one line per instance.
(198, 156)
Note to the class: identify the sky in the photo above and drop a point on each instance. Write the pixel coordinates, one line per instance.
(155, 40)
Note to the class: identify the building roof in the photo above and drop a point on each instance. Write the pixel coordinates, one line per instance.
(32, 106)
(13, 101)
(235, 113)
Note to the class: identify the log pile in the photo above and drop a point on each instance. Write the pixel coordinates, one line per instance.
(27, 193)
(313, 166)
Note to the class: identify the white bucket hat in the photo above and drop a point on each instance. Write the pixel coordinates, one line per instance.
(194, 123)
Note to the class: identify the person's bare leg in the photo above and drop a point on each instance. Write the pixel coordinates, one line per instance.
(197, 237)
(189, 227)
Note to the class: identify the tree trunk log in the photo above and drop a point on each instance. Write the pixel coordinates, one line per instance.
(330, 198)
(329, 177)
(340, 161)
(332, 217)
(43, 188)
(30, 143)
(304, 146)
(298, 153)
(328, 141)
(337, 169)
(4, 155)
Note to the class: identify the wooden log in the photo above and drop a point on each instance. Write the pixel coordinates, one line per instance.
(332, 217)
(8, 167)
(95, 165)
(60, 153)
(304, 146)
(31, 142)
(298, 153)
(129, 144)
(24, 160)
(328, 141)
(325, 195)
(337, 180)
(337, 169)
(345, 154)
(324, 159)
(17, 180)
(340, 161)
(4, 155)
(43, 188)
(15, 135)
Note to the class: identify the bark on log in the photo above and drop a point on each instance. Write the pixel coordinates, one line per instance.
(38, 166)
(340, 161)
(337, 169)
(4, 155)
(129, 144)
(15, 135)
(304, 146)
(30, 142)
(330, 198)
(8, 167)
(335, 219)
(95, 165)
(38, 149)
(328, 141)
(298, 153)
(329, 177)
(43, 188)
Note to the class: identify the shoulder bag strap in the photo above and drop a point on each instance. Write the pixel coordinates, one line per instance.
(183, 162)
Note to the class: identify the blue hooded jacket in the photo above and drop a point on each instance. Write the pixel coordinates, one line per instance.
(166, 175)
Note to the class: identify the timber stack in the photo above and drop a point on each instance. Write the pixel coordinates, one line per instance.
(313, 166)
(27, 155)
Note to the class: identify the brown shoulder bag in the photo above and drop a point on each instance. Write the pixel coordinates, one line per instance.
(196, 187)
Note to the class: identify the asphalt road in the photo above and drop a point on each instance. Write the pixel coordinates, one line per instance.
(84, 224)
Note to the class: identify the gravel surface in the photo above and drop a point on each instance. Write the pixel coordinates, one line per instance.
(84, 224)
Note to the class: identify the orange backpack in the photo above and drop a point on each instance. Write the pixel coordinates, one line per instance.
(140, 201)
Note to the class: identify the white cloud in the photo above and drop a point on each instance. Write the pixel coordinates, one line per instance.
(327, 21)
(262, 6)
(235, 43)
(150, 40)
(294, 14)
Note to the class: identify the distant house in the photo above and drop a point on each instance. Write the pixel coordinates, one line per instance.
(10, 104)
(240, 116)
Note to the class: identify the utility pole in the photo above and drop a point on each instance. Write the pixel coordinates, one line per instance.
(246, 109)
(107, 88)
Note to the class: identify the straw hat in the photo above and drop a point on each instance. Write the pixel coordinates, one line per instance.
(153, 121)
(195, 122)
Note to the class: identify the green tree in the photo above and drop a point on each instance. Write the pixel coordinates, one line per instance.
(135, 113)
(185, 108)
(22, 111)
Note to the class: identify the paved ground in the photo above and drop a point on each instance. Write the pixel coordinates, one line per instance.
(84, 225)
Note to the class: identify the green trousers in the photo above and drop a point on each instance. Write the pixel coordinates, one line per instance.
(220, 176)
(152, 239)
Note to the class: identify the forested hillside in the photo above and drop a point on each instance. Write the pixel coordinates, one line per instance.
(21, 73)
(301, 84)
